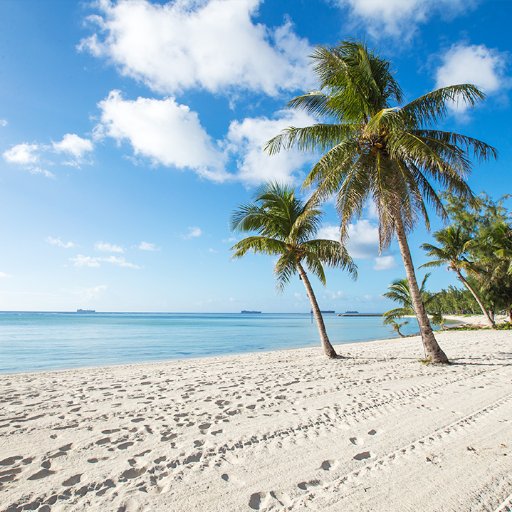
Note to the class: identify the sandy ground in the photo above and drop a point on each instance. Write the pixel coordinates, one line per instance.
(287, 430)
(478, 320)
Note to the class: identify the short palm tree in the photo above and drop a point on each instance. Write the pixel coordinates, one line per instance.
(453, 244)
(399, 291)
(285, 227)
(375, 147)
(396, 326)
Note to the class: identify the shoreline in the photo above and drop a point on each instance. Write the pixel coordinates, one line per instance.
(336, 345)
(284, 430)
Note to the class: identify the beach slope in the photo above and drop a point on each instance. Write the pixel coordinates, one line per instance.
(286, 430)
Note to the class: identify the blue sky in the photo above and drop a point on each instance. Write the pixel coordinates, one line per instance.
(129, 131)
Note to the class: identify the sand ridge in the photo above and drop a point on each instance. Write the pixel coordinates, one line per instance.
(285, 430)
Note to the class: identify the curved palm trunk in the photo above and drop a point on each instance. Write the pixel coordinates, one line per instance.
(432, 349)
(326, 344)
(487, 316)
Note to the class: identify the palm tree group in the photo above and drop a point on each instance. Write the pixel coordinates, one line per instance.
(453, 243)
(374, 147)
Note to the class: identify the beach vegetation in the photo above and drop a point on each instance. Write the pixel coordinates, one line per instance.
(285, 227)
(477, 246)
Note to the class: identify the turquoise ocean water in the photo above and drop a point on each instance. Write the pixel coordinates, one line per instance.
(43, 341)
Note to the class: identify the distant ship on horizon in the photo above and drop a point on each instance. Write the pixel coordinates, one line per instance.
(86, 311)
(249, 312)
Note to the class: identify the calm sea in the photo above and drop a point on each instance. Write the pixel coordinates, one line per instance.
(42, 341)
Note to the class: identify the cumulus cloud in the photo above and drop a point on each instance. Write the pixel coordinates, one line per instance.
(94, 262)
(107, 247)
(22, 154)
(384, 262)
(208, 44)
(248, 137)
(362, 242)
(363, 239)
(168, 133)
(73, 145)
(35, 157)
(401, 17)
(475, 64)
(193, 232)
(59, 242)
(147, 246)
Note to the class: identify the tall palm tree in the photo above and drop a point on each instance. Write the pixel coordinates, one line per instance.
(452, 249)
(286, 227)
(376, 147)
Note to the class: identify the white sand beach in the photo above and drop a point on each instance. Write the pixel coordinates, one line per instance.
(286, 430)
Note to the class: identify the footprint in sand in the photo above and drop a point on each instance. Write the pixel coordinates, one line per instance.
(328, 465)
(43, 473)
(306, 485)
(363, 456)
(72, 480)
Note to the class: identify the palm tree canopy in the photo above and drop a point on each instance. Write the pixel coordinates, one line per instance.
(377, 147)
(285, 226)
(454, 243)
(399, 291)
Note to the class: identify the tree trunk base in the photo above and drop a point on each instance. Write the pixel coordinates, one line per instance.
(436, 355)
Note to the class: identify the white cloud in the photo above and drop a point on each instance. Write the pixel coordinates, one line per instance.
(193, 232)
(475, 64)
(147, 246)
(85, 261)
(107, 247)
(94, 262)
(119, 261)
(384, 262)
(401, 17)
(22, 154)
(40, 170)
(248, 137)
(4, 275)
(362, 239)
(329, 232)
(3, 122)
(213, 45)
(59, 243)
(73, 145)
(32, 156)
(168, 133)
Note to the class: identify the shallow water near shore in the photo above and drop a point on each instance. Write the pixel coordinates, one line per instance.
(45, 341)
